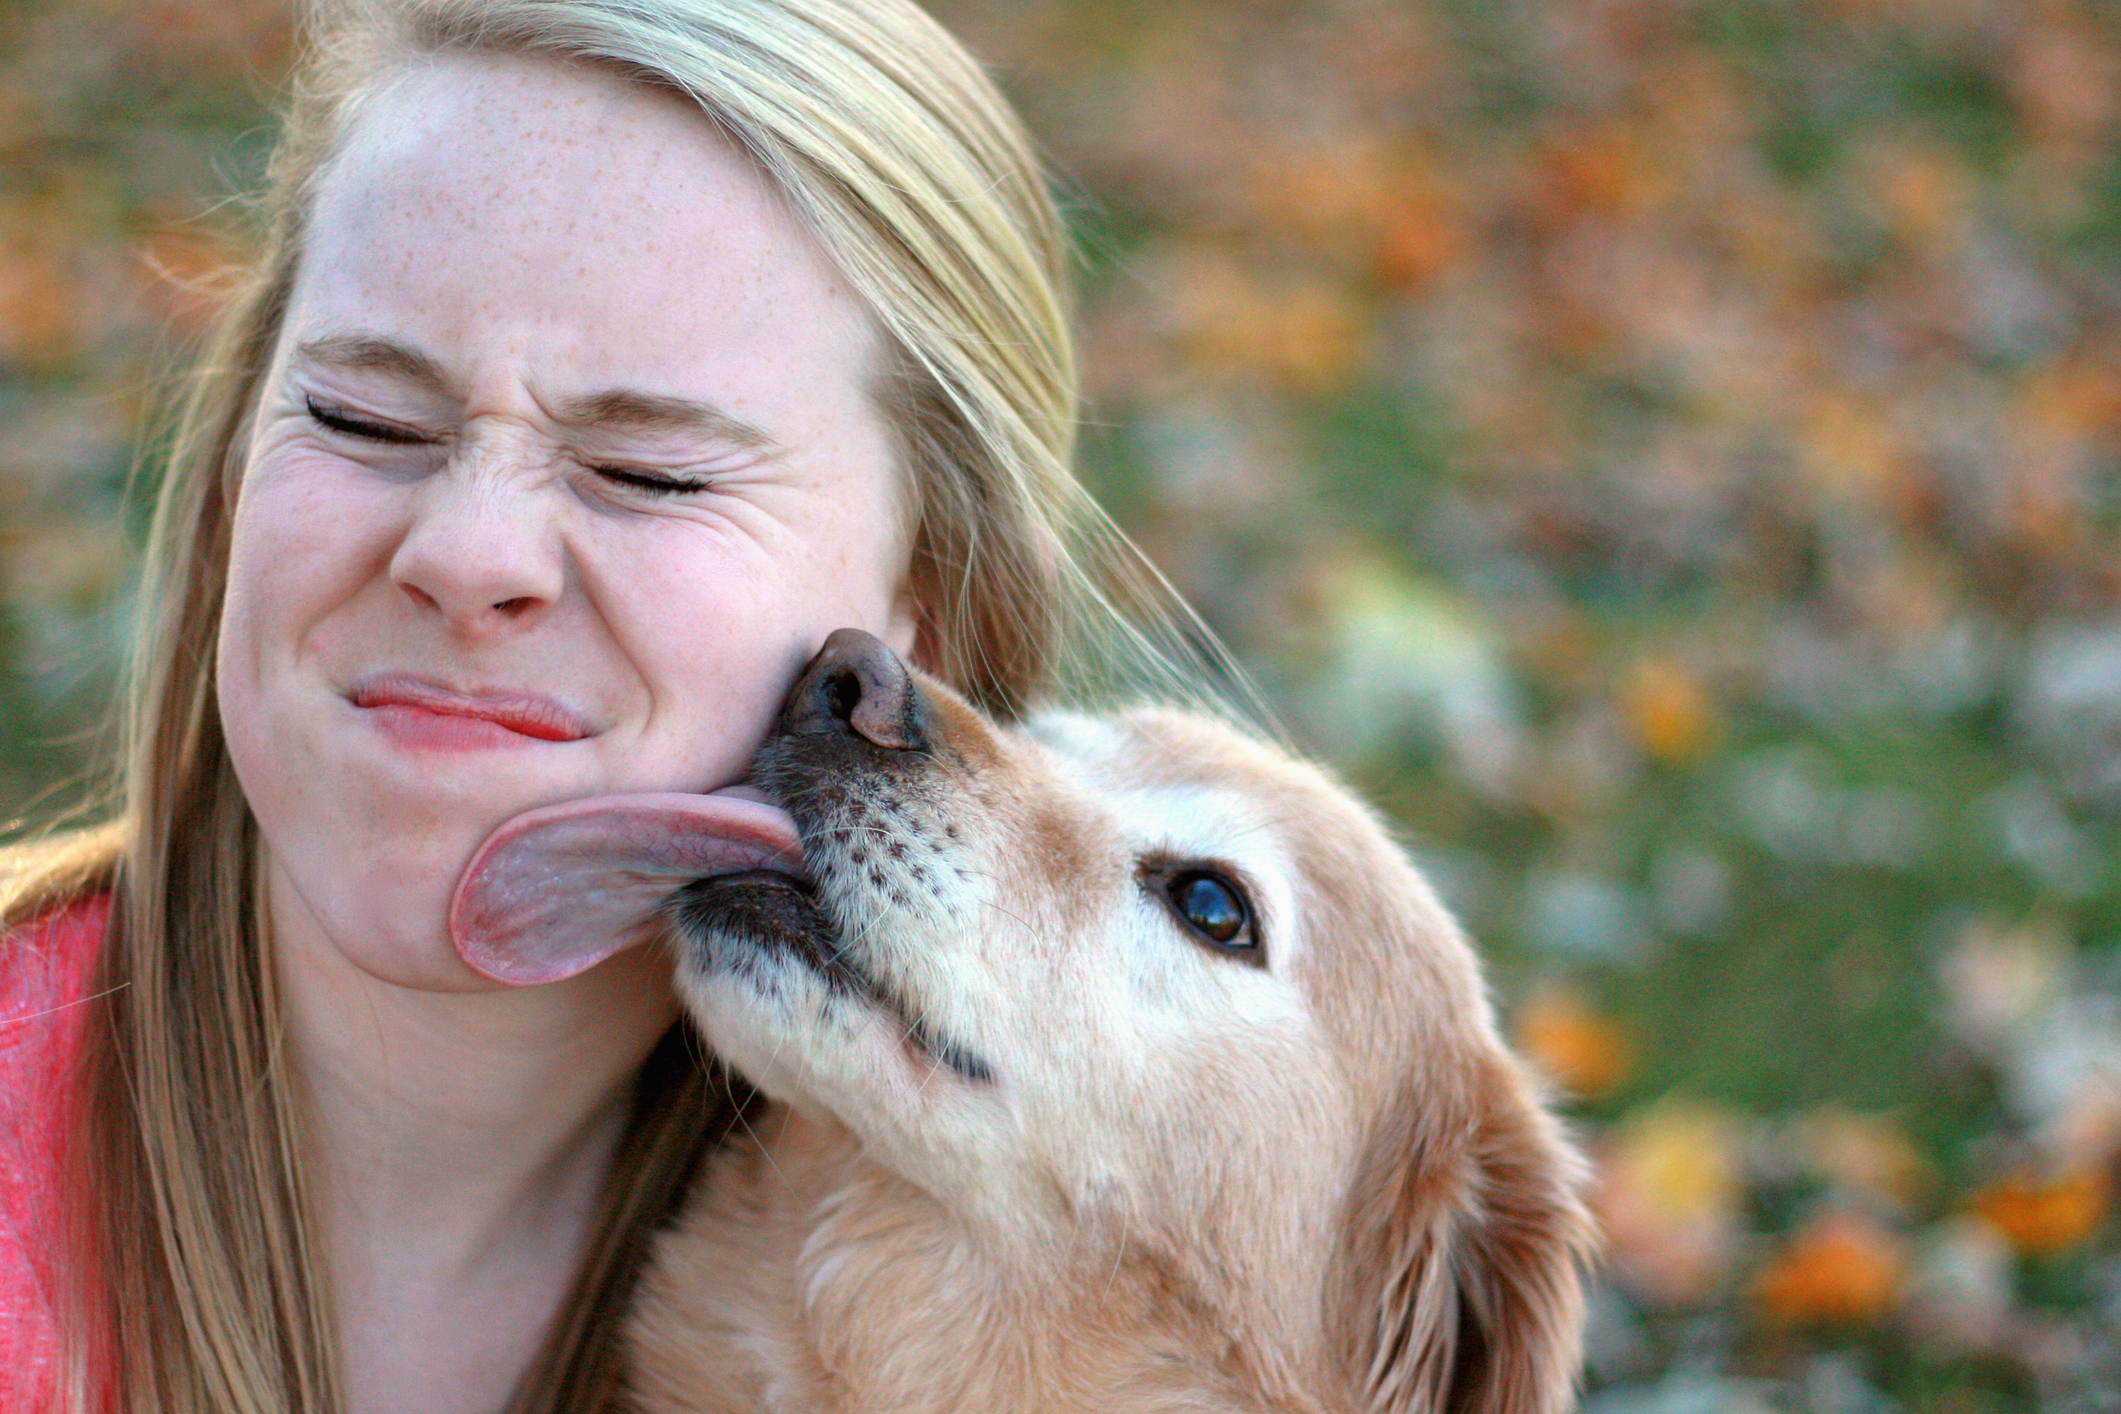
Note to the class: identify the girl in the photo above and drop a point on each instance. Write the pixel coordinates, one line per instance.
(603, 356)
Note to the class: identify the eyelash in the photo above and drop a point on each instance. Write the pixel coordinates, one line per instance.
(654, 485)
(339, 422)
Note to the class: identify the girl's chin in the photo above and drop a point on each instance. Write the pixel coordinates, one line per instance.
(336, 937)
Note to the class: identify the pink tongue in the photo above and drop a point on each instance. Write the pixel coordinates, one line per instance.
(557, 890)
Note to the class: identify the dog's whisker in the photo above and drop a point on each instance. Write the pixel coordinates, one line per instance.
(1014, 917)
(1119, 1256)
(765, 1151)
(836, 833)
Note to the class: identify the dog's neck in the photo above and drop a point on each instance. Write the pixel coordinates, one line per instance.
(867, 1294)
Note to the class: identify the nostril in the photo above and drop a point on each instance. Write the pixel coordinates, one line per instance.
(843, 693)
(827, 702)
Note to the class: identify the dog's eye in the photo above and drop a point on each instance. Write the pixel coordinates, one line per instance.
(1213, 908)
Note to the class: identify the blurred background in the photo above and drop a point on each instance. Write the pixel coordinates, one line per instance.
(1666, 452)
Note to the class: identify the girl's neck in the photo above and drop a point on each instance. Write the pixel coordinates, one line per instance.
(458, 1144)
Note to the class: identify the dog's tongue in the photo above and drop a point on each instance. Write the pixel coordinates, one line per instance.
(557, 890)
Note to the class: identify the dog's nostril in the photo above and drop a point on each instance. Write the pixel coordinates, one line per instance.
(843, 693)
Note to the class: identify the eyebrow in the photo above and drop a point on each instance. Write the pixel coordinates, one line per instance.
(622, 408)
(656, 412)
(372, 355)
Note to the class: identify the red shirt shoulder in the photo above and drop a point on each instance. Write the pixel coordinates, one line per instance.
(45, 971)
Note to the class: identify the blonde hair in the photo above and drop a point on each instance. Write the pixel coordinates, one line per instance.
(892, 146)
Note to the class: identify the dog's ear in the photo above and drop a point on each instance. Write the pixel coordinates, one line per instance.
(1459, 1286)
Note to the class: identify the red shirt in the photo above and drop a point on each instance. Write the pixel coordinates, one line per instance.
(45, 967)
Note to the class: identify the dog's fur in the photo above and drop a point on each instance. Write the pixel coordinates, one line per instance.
(1035, 1145)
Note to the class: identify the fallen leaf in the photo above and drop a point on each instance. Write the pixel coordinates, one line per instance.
(1669, 711)
(1840, 1268)
(1586, 1053)
(2041, 1215)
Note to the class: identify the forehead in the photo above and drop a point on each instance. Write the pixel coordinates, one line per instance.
(1187, 790)
(1181, 755)
(535, 198)
(1334, 884)
(1190, 789)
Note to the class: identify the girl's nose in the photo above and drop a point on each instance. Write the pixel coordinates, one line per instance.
(484, 554)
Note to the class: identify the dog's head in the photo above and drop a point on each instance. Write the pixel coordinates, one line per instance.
(1136, 984)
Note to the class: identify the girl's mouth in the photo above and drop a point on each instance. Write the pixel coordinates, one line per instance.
(425, 713)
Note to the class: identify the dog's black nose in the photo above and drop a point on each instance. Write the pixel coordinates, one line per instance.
(856, 686)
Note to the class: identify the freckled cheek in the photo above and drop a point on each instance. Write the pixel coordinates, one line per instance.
(707, 628)
(286, 562)
(301, 545)
(858, 558)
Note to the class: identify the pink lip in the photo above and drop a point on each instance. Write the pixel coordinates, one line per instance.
(423, 710)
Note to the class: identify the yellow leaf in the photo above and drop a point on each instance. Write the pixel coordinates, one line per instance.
(1668, 1197)
(1669, 712)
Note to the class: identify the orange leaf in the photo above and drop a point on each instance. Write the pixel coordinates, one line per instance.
(1669, 711)
(1587, 1054)
(1841, 1268)
(1599, 167)
(39, 301)
(2039, 1215)
(1419, 244)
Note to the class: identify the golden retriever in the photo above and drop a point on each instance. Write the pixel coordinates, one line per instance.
(1117, 1065)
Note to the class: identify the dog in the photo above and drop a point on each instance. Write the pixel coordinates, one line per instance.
(1115, 1064)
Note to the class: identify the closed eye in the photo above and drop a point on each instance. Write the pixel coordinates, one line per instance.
(338, 420)
(650, 481)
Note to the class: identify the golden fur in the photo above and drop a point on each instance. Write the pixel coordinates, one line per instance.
(1078, 1159)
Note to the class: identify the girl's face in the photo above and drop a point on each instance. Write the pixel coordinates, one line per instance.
(566, 462)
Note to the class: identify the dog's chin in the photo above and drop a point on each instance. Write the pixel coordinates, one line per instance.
(764, 974)
(759, 927)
